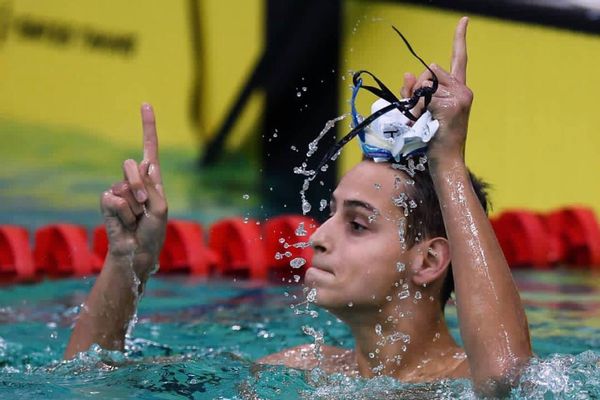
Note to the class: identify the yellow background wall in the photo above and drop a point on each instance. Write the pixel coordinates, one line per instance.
(72, 85)
(533, 132)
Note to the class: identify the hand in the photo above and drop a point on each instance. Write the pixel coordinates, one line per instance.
(135, 209)
(451, 103)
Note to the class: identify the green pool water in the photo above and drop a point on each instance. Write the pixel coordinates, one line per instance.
(198, 339)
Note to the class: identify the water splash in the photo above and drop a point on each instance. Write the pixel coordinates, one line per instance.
(411, 168)
(311, 174)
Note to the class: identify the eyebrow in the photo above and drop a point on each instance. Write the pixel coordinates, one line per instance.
(354, 203)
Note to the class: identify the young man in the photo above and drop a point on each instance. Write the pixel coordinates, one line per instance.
(381, 260)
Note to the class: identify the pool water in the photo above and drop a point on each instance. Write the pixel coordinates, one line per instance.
(197, 339)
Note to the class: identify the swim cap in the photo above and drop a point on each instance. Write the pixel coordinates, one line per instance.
(391, 137)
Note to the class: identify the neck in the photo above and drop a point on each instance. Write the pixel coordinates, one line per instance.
(407, 343)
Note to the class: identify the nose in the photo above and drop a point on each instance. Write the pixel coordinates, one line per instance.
(319, 240)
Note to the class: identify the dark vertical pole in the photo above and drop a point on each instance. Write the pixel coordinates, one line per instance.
(302, 48)
(195, 103)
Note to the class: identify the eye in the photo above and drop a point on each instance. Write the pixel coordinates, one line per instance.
(357, 227)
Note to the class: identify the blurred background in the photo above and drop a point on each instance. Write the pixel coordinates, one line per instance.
(240, 87)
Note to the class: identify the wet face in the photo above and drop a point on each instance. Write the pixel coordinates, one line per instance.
(357, 250)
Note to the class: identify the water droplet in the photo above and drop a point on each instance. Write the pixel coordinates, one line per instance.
(246, 196)
(298, 94)
(417, 295)
(304, 88)
(400, 266)
(371, 355)
(350, 304)
(296, 278)
(297, 262)
(378, 329)
(322, 204)
(281, 240)
(403, 294)
(305, 207)
(300, 231)
(377, 186)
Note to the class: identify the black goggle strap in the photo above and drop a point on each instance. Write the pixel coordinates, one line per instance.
(425, 92)
(383, 92)
(404, 106)
(355, 131)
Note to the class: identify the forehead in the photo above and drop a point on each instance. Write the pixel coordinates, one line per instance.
(374, 183)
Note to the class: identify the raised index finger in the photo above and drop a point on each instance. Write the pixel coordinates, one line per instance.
(150, 136)
(459, 52)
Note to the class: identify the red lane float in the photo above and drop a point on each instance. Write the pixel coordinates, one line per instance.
(62, 249)
(578, 232)
(286, 238)
(185, 249)
(238, 246)
(16, 258)
(523, 238)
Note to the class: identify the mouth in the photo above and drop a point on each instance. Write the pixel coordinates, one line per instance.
(322, 268)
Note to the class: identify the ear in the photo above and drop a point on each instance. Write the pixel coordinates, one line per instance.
(431, 260)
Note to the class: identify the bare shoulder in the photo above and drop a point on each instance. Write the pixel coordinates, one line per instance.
(335, 359)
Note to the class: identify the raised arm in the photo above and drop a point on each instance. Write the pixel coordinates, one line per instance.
(135, 216)
(492, 320)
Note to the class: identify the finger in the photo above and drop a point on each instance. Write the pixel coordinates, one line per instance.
(425, 76)
(407, 88)
(150, 136)
(157, 203)
(132, 175)
(115, 206)
(443, 76)
(151, 140)
(459, 52)
(122, 189)
(423, 80)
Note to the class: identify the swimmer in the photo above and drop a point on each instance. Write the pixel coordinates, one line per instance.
(384, 262)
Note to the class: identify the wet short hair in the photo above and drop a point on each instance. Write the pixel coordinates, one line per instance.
(425, 220)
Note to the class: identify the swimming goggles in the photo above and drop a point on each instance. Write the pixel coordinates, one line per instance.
(384, 150)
